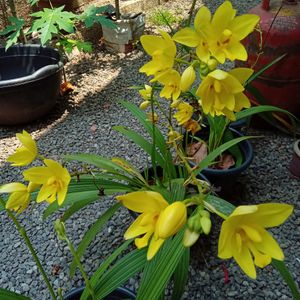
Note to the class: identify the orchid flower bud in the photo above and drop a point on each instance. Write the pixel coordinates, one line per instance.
(190, 237)
(171, 220)
(187, 78)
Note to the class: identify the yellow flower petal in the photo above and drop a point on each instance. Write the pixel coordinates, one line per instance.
(243, 25)
(236, 50)
(187, 36)
(241, 101)
(225, 244)
(187, 78)
(171, 220)
(12, 187)
(244, 210)
(154, 246)
(136, 229)
(223, 16)
(272, 214)
(252, 233)
(37, 175)
(244, 260)
(143, 241)
(151, 43)
(143, 201)
(18, 201)
(202, 19)
(26, 139)
(241, 74)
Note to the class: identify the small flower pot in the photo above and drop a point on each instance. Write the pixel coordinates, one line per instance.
(118, 294)
(295, 163)
(224, 180)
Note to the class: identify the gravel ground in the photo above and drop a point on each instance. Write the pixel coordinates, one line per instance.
(82, 122)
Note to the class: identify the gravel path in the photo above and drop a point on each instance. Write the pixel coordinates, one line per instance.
(82, 123)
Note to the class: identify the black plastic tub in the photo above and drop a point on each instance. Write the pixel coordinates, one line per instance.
(30, 77)
(118, 294)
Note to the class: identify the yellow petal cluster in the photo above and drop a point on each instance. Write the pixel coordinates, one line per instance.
(19, 195)
(243, 235)
(221, 93)
(162, 49)
(184, 113)
(218, 36)
(146, 92)
(54, 179)
(25, 154)
(171, 81)
(158, 219)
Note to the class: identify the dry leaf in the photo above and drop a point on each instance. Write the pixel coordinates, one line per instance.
(66, 87)
(197, 151)
(55, 269)
(226, 161)
(93, 128)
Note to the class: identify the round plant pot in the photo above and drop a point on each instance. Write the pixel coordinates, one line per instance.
(225, 179)
(118, 294)
(295, 163)
(30, 78)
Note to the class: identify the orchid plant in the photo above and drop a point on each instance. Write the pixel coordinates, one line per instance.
(173, 209)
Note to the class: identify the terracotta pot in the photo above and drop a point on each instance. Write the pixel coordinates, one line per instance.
(295, 163)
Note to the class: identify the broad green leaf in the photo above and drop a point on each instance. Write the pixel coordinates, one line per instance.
(50, 21)
(159, 270)
(181, 275)
(8, 295)
(86, 47)
(287, 277)
(93, 14)
(215, 153)
(140, 141)
(14, 31)
(91, 233)
(218, 205)
(106, 263)
(120, 272)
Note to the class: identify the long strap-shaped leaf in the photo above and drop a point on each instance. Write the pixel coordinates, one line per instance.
(181, 275)
(159, 270)
(159, 138)
(286, 275)
(8, 295)
(120, 272)
(104, 266)
(139, 140)
(91, 233)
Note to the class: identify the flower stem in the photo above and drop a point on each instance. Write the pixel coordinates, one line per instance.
(85, 277)
(31, 249)
(191, 13)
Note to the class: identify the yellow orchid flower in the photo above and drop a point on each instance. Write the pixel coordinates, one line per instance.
(171, 81)
(227, 31)
(54, 179)
(184, 114)
(158, 219)
(187, 78)
(199, 36)
(146, 92)
(20, 195)
(192, 126)
(243, 235)
(25, 154)
(221, 93)
(162, 49)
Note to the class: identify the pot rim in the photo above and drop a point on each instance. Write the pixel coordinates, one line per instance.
(297, 147)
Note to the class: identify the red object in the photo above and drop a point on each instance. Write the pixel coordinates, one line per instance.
(280, 26)
(226, 274)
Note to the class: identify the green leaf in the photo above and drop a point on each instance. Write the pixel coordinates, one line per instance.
(287, 277)
(14, 31)
(106, 263)
(50, 21)
(219, 205)
(33, 2)
(91, 233)
(262, 70)
(93, 14)
(120, 272)
(181, 275)
(8, 295)
(159, 270)
(217, 152)
(140, 141)
(71, 198)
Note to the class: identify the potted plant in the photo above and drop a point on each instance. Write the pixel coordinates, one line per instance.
(173, 212)
(127, 31)
(30, 91)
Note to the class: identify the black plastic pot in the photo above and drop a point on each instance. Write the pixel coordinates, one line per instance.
(118, 294)
(30, 78)
(226, 178)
